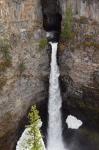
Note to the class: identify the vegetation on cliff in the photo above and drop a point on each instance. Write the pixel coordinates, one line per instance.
(68, 22)
(5, 59)
(21, 68)
(43, 43)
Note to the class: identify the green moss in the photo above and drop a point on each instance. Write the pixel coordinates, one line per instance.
(67, 29)
(43, 43)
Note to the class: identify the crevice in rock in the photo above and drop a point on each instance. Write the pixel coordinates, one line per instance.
(52, 17)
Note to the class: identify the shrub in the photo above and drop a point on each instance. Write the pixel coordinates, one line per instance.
(4, 48)
(67, 30)
(43, 43)
(88, 36)
(91, 44)
(83, 20)
(4, 65)
(3, 81)
(21, 67)
(35, 120)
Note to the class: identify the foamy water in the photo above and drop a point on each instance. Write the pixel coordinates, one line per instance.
(55, 141)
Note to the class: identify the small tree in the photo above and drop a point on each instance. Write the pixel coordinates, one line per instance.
(67, 30)
(43, 43)
(35, 122)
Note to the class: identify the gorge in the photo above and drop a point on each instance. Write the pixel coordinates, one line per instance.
(24, 73)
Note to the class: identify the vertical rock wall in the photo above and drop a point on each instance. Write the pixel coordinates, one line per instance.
(87, 8)
(17, 15)
(79, 61)
(23, 81)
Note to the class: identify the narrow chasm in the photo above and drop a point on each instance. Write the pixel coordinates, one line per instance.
(52, 18)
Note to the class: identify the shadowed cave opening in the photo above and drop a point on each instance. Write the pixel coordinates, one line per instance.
(52, 17)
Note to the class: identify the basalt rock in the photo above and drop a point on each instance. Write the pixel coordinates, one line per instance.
(25, 81)
(87, 8)
(79, 67)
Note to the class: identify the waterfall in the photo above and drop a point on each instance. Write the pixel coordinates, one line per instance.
(55, 141)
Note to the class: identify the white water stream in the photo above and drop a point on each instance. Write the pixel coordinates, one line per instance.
(55, 141)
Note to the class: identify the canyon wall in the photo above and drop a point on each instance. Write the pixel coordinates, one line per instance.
(87, 8)
(23, 65)
(79, 62)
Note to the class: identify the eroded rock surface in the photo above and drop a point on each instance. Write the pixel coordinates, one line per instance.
(79, 65)
(87, 8)
(24, 67)
(23, 82)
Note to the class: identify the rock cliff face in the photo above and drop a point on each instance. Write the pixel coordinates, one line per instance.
(23, 65)
(79, 62)
(87, 8)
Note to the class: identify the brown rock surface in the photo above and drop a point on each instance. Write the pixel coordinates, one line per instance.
(23, 82)
(87, 8)
(79, 65)
(24, 67)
